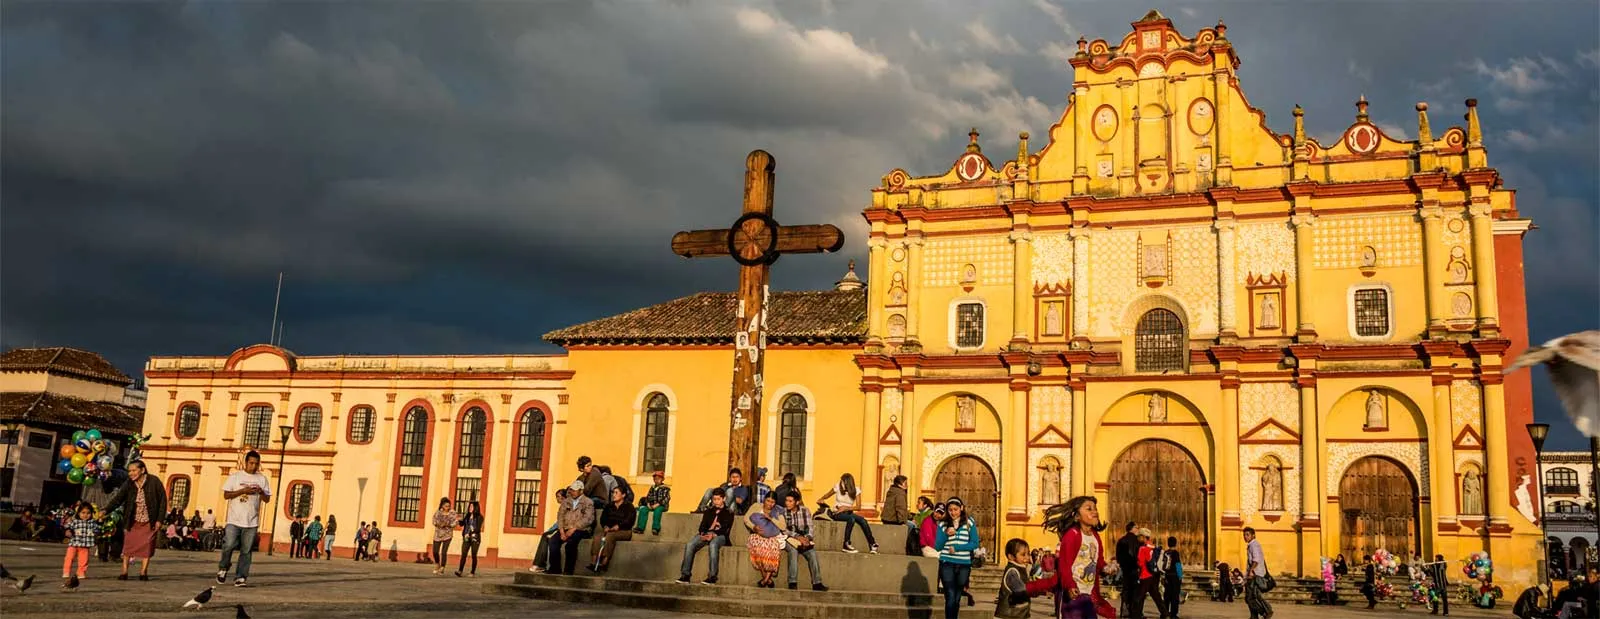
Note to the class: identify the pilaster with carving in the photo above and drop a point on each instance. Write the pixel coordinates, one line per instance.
(1080, 283)
(1021, 287)
(1435, 257)
(1305, 287)
(913, 243)
(876, 288)
(1226, 300)
(1483, 255)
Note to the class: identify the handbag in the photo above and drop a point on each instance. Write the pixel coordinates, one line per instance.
(1265, 583)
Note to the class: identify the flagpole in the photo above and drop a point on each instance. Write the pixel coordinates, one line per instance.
(272, 337)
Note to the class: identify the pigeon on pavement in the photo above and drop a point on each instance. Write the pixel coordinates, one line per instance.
(21, 585)
(71, 584)
(200, 600)
(238, 612)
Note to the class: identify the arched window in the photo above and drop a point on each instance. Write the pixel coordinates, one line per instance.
(178, 496)
(655, 433)
(530, 440)
(258, 426)
(792, 436)
(1561, 480)
(1158, 342)
(414, 445)
(299, 504)
(308, 423)
(188, 421)
(361, 424)
(471, 448)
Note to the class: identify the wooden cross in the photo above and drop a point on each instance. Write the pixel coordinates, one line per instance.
(756, 241)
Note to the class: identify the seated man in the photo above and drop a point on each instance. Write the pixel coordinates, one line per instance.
(715, 522)
(576, 521)
(798, 520)
(734, 494)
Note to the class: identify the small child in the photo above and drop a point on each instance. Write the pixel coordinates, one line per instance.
(1013, 600)
(81, 532)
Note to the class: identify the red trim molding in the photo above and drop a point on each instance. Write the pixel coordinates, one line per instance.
(427, 464)
(544, 467)
(488, 449)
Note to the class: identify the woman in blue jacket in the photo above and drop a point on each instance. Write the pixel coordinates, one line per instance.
(956, 540)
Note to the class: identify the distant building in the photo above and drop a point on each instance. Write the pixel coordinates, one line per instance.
(46, 394)
(1569, 506)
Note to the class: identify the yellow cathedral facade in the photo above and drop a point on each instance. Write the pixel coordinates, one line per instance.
(1164, 303)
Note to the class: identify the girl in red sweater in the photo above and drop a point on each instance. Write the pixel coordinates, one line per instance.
(1080, 562)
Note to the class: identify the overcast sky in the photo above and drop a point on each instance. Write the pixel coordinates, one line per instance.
(455, 177)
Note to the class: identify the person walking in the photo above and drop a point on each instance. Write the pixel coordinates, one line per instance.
(81, 532)
(471, 536)
(1255, 574)
(1081, 561)
(244, 491)
(1171, 564)
(956, 541)
(444, 530)
(143, 500)
(1128, 569)
(314, 538)
(329, 535)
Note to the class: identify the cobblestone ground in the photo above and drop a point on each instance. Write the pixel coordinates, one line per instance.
(339, 589)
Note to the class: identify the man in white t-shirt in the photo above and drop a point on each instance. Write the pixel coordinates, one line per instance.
(244, 491)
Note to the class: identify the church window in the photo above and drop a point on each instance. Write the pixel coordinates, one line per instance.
(969, 325)
(792, 436)
(414, 444)
(308, 423)
(188, 421)
(361, 422)
(530, 443)
(1371, 312)
(655, 433)
(471, 446)
(466, 492)
(257, 426)
(299, 500)
(1159, 344)
(1561, 480)
(408, 498)
(179, 494)
(525, 504)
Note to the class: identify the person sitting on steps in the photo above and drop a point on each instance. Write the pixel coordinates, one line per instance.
(766, 541)
(542, 553)
(802, 541)
(614, 523)
(576, 519)
(655, 503)
(715, 522)
(845, 496)
(735, 495)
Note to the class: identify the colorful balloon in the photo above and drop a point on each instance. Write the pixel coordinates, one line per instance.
(64, 465)
(99, 446)
(93, 435)
(75, 476)
(79, 435)
(67, 450)
(78, 460)
(83, 445)
(104, 462)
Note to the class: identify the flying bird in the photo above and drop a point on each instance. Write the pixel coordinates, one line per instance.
(1574, 364)
(238, 612)
(200, 600)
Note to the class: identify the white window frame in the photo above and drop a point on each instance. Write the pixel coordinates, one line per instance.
(1350, 310)
(955, 304)
(636, 449)
(775, 420)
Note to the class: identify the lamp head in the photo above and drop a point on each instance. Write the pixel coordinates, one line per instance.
(1538, 432)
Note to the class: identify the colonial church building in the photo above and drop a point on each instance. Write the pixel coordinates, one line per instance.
(1160, 301)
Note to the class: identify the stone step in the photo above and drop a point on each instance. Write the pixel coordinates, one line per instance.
(652, 558)
(829, 535)
(733, 601)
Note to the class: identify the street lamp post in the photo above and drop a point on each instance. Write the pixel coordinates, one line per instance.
(283, 435)
(1538, 432)
(1594, 478)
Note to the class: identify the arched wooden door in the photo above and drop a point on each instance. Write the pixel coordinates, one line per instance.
(1158, 485)
(1378, 509)
(969, 478)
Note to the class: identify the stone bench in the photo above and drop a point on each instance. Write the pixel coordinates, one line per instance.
(829, 534)
(660, 558)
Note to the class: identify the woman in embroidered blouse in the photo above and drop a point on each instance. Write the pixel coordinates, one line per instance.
(767, 541)
(444, 530)
(1079, 564)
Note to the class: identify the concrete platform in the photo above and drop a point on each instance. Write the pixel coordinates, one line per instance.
(829, 534)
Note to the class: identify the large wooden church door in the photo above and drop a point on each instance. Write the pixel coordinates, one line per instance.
(1158, 486)
(1378, 507)
(969, 478)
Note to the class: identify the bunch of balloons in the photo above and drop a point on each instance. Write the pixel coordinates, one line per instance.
(135, 446)
(88, 458)
(1327, 574)
(1384, 562)
(1478, 566)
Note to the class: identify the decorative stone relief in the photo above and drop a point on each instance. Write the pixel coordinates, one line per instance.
(1338, 242)
(1156, 408)
(934, 454)
(1412, 456)
(893, 400)
(943, 260)
(1049, 405)
(1265, 248)
(1466, 405)
(1251, 459)
(1052, 259)
(1461, 305)
(966, 413)
(1036, 458)
(1049, 479)
(1194, 278)
(1464, 458)
(1259, 402)
(1456, 231)
(1114, 262)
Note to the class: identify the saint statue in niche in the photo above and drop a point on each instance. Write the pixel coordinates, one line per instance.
(969, 274)
(966, 413)
(1458, 272)
(1052, 318)
(1269, 311)
(897, 296)
(897, 326)
(1157, 408)
(1472, 493)
(1272, 487)
(1049, 482)
(1376, 417)
(1369, 258)
(891, 470)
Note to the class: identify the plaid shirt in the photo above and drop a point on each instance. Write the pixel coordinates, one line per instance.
(83, 533)
(798, 522)
(659, 494)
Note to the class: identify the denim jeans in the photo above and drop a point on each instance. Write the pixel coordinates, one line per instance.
(238, 538)
(954, 577)
(851, 520)
(791, 557)
(693, 547)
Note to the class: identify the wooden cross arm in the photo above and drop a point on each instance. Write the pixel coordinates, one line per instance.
(812, 239)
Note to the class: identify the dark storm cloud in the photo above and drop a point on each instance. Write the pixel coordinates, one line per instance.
(463, 177)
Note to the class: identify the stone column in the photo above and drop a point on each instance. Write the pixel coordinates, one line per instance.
(1021, 288)
(877, 287)
(871, 412)
(1496, 479)
(1305, 288)
(1226, 285)
(913, 285)
(1483, 267)
(1080, 283)
(1441, 454)
(1228, 453)
(1014, 453)
(910, 441)
(1080, 440)
(1436, 259)
(1311, 473)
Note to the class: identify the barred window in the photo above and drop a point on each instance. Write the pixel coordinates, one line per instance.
(188, 421)
(792, 436)
(1566, 507)
(969, 325)
(525, 504)
(471, 447)
(1561, 480)
(655, 433)
(300, 500)
(414, 444)
(361, 424)
(258, 426)
(466, 491)
(408, 500)
(308, 423)
(530, 441)
(1158, 342)
(1372, 312)
(179, 498)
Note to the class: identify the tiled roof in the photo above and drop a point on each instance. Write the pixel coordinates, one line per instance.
(62, 360)
(796, 317)
(41, 407)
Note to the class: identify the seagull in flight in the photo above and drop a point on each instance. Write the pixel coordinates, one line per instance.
(1574, 364)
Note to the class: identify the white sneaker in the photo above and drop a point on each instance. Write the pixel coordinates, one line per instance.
(222, 576)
